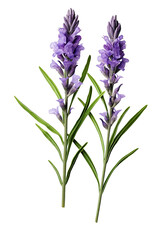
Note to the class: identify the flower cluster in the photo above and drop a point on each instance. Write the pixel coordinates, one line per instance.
(111, 62)
(67, 50)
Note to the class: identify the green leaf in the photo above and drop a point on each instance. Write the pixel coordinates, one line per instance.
(117, 125)
(57, 172)
(40, 120)
(79, 121)
(85, 70)
(124, 129)
(89, 161)
(98, 90)
(117, 164)
(51, 83)
(46, 134)
(96, 126)
(74, 161)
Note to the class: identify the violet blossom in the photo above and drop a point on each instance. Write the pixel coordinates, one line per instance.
(56, 112)
(67, 49)
(111, 62)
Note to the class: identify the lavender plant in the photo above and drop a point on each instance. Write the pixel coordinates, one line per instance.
(111, 62)
(67, 51)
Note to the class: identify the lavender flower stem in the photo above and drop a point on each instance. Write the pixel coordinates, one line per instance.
(104, 169)
(65, 149)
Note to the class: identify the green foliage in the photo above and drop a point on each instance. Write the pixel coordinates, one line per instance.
(97, 87)
(117, 164)
(124, 129)
(51, 83)
(85, 70)
(56, 171)
(89, 161)
(46, 134)
(40, 120)
(97, 128)
(74, 161)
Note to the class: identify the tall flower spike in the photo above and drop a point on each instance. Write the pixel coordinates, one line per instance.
(111, 62)
(67, 49)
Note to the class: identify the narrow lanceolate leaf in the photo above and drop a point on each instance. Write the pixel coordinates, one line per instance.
(57, 172)
(85, 70)
(73, 162)
(125, 128)
(51, 83)
(81, 120)
(96, 126)
(46, 134)
(98, 90)
(78, 123)
(89, 161)
(117, 125)
(117, 164)
(40, 120)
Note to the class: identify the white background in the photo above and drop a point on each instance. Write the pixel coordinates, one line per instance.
(30, 194)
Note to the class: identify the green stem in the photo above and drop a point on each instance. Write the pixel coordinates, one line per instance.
(103, 172)
(65, 149)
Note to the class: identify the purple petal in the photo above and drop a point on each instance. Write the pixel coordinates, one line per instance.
(53, 111)
(121, 66)
(75, 78)
(117, 90)
(117, 78)
(118, 99)
(55, 66)
(104, 114)
(114, 116)
(64, 82)
(106, 84)
(74, 88)
(61, 103)
(70, 109)
(56, 112)
(105, 125)
(68, 50)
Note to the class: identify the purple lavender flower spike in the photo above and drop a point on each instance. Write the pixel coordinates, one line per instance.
(112, 56)
(56, 112)
(67, 49)
(112, 61)
(61, 103)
